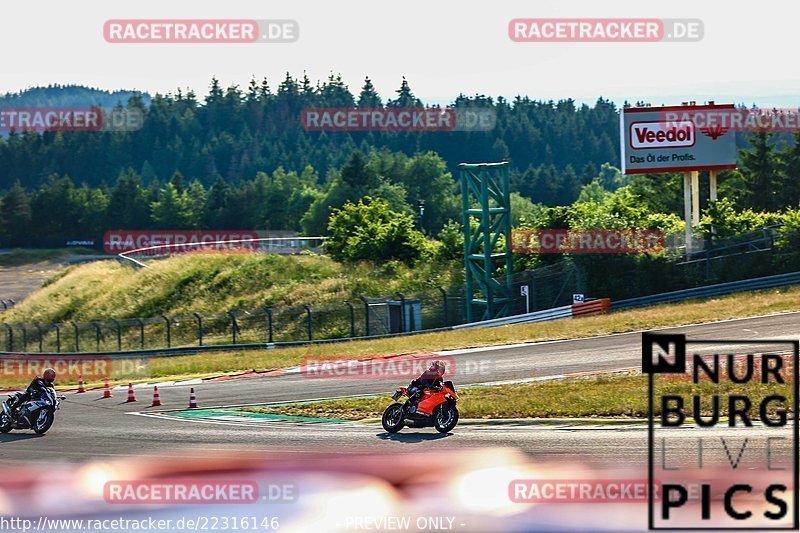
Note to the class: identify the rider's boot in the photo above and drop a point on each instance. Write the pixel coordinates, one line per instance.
(13, 403)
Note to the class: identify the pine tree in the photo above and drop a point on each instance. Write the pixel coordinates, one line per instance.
(356, 174)
(171, 210)
(217, 204)
(178, 182)
(15, 212)
(405, 98)
(570, 186)
(214, 93)
(789, 186)
(264, 92)
(760, 168)
(369, 98)
(588, 173)
(128, 206)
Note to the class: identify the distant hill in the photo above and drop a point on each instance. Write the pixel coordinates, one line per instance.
(69, 96)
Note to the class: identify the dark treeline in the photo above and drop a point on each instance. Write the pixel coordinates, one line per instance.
(279, 200)
(768, 180)
(234, 133)
(241, 160)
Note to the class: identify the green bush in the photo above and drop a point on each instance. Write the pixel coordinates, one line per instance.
(789, 240)
(371, 231)
(452, 240)
(726, 221)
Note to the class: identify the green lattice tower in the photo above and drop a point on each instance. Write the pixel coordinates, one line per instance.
(485, 197)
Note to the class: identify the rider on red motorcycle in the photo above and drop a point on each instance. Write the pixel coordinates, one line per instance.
(431, 403)
(430, 379)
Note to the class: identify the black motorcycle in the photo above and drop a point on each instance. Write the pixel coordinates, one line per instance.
(37, 414)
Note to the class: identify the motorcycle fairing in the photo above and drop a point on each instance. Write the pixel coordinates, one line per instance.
(429, 402)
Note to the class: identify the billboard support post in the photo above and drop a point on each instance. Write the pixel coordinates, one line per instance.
(712, 185)
(687, 209)
(712, 194)
(695, 198)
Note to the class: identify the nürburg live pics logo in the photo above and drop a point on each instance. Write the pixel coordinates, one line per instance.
(722, 433)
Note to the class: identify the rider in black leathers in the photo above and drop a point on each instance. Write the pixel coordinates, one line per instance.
(36, 386)
(430, 379)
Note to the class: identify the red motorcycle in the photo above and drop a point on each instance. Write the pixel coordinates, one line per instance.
(436, 408)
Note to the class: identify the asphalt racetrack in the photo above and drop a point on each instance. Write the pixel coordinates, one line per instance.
(88, 428)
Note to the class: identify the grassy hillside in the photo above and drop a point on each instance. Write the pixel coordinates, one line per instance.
(215, 283)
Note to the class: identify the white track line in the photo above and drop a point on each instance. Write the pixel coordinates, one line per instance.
(578, 339)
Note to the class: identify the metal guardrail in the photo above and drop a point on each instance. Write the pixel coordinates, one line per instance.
(595, 305)
(291, 245)
(719, 289)
(537, 316)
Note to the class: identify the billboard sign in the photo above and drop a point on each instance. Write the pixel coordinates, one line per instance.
(668, 139)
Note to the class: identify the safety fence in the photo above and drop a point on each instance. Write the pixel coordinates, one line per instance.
(360, 317)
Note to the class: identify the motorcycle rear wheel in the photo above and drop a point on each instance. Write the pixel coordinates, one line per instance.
(446, 418)
(42, 424)
(5, 422)
(392, 420)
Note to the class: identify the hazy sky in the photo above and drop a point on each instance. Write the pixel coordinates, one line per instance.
(443, 47)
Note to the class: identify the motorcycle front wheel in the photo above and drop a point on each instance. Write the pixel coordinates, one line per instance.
(5, 422)
(43, 422)
(446, 418)
(392, 420)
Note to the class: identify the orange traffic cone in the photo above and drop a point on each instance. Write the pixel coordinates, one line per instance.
(106, 390)
(131, 395)
(80, 385)
(156, 397)
(192, 400)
